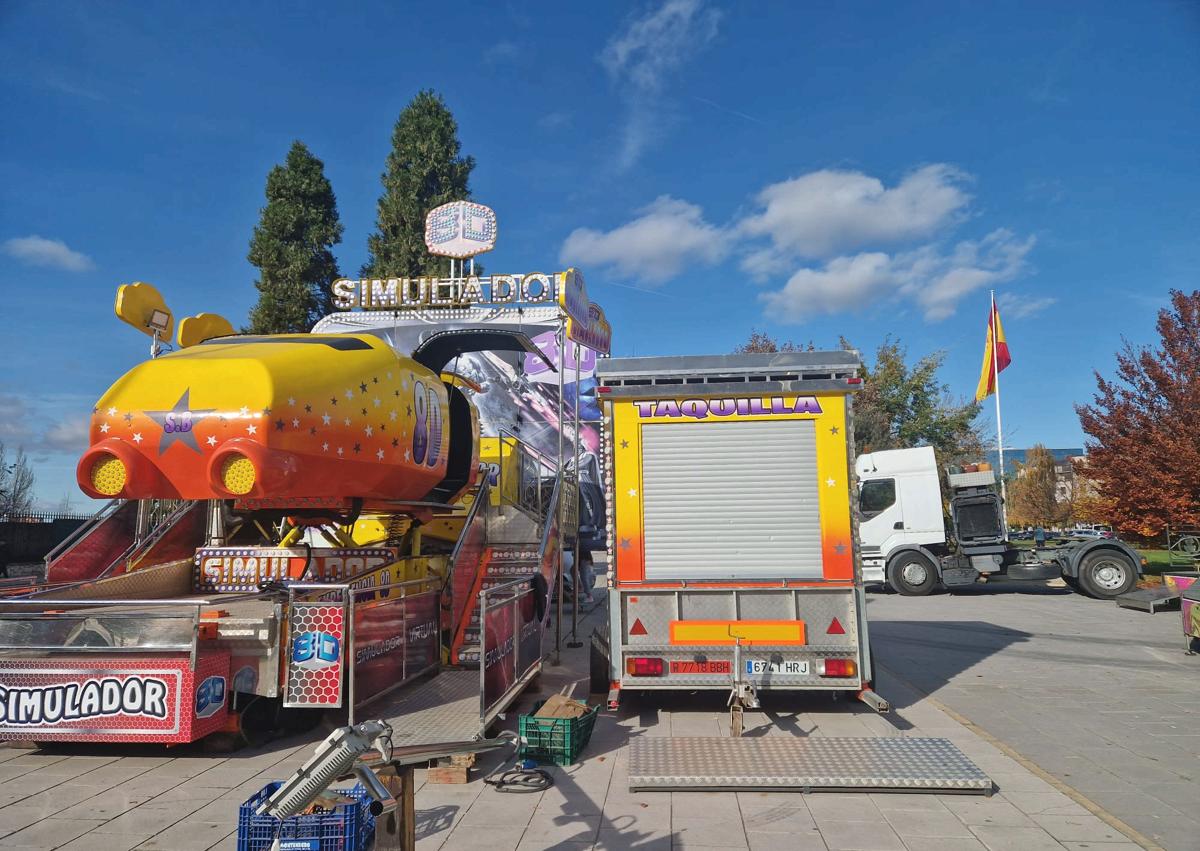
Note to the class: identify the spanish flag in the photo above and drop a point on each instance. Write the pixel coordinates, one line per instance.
(995, 356)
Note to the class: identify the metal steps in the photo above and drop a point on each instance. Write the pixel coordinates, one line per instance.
(803, 763)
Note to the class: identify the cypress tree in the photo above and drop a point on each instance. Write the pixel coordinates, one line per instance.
(292, 246)
(424, 170)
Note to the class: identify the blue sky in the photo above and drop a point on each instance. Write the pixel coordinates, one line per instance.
(714, 167)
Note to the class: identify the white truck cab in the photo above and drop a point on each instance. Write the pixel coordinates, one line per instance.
(905, 543)
(900, 503)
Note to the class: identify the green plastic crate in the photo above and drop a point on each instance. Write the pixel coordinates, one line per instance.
(556, 740)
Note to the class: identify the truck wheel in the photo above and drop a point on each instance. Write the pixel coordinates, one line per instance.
(912, 575)
(1106, 574)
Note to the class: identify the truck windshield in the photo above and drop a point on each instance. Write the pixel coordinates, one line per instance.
(876, 496)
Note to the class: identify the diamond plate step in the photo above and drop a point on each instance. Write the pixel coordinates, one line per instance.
(806, 763)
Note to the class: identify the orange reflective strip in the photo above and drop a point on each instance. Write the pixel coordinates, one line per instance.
(726, 632)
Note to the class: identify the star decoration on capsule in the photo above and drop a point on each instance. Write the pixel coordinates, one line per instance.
(104, 428)
(251, 429)
(633, 491)
(625, 543)
(840, 549)
(137, 437)
(326, 419)
(830, 482)
(624, 444)
(179, 423)
(833, 429)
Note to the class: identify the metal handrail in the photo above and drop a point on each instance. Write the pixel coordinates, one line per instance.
(487, 713)
(106, 511)
(544, 457)
(481, 499)
(152, 538)
(352, 657)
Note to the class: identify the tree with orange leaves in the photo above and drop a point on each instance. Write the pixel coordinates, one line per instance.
(1144, 427)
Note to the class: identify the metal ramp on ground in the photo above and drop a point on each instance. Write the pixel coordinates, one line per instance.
(1157, 599)
(442, 709)
(803, 763)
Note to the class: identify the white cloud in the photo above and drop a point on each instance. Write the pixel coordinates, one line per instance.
(67, 436)
(842, 240)
(843, 283)
(667, 236)
(934, 280)
(824, 213)
(642, 57)
(501, 51)
(555, 121)
(51, 253)
(1019, 306)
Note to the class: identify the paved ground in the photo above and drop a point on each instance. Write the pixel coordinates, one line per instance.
(985, 656)
(1102, 698)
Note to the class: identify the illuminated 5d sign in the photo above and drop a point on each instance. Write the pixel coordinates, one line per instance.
(400, 293)
(460, 229)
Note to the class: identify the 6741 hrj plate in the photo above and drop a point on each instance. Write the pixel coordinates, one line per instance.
(793, 667)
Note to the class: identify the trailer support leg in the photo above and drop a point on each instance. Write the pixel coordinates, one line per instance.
(396, 829)
(873, 700)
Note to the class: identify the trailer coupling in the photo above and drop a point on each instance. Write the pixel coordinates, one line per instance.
(743, 695)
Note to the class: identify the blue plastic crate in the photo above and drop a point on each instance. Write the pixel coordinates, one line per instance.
(347, 828)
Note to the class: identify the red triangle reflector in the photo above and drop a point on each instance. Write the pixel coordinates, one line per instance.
(637, 628)
(835, 628)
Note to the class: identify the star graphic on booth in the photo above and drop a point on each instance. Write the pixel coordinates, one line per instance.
(251, 429)
(379, 454)
(633, 491)
(137, 437)
(833, 429)
(840, 548)
(624, 543)
(325, 418)
(112, 412)
(830, 482)
(179, 423)
(624, 444)
(104, 428)
(211, 441)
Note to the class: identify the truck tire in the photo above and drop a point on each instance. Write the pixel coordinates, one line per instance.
(912, 575)
(1105, 574)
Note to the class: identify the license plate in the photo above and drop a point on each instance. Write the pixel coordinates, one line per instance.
(792, 667)
(717, 667)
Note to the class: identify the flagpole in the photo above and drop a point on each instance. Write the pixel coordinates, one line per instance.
(995, 337)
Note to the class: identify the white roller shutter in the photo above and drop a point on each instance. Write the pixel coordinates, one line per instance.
(731, 500)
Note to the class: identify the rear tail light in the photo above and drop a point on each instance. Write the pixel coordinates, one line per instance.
(644, 666)
(841, 668)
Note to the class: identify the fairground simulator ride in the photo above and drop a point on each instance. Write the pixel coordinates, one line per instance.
(311, 521)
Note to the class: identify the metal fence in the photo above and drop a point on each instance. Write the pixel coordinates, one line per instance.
(28, 537)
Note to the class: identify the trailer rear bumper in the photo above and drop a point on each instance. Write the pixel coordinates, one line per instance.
(777, 639)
